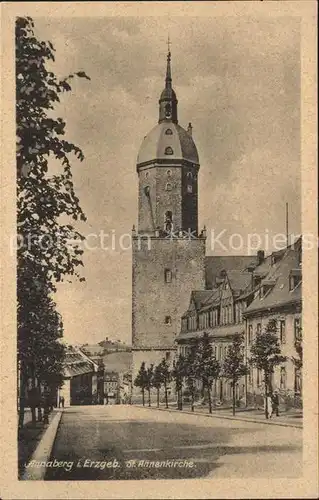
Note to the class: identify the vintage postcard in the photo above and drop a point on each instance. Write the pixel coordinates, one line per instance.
(159, 277)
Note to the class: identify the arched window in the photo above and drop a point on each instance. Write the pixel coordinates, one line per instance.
(168, 131)
(168, 221)
(169, 173)
(168, 110)
(168, 186)
(146, 175)
(169, 151)
(189, 175)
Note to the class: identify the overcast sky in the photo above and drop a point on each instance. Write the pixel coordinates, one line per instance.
(237, 80)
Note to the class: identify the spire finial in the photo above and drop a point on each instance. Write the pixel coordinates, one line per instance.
(168, 70)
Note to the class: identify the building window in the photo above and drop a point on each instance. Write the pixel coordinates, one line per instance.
(169, 151)
(189, 175)
(168, 320)
(169, 173)
(168, 224)
(189, 188)
(297, 329)
(283, 377)
(146, 174)
(169, 187)
(250, 376)
(258, 377)
(250, 334)
(282, 326)
(230, 318)
(258, 330)
(168, 276)
(168, 131)
(167, 355)
(220, 354)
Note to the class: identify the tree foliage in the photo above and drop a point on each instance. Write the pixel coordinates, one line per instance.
(47, 250)
(266, 354)
(234, 366)
(141, 380)
(206, 366)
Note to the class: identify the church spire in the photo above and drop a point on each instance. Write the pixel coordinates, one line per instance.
(168, 80)
(168, 100)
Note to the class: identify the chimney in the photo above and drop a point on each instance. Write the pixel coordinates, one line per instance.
(190, 129)
(260, 256)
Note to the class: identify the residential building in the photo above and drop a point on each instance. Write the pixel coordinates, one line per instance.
(279, 298)
(80, 378)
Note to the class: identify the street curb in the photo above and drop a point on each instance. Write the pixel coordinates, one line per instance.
(43, 451)
(240, 419)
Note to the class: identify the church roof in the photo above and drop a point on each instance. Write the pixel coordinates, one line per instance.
(168, 135)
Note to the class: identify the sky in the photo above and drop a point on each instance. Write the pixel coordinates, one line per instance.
(236, 79)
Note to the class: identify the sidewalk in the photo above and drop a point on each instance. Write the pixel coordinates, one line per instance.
(292, 418)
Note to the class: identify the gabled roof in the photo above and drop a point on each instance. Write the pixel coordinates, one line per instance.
(77, 363)
(239, 280)
(215, 264)
(278, 276)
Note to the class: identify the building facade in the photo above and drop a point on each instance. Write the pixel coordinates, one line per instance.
(80, 379)
(279, 298)
(242, 301)
(168, 250)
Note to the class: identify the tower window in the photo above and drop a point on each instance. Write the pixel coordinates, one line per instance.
(169, 151)
(168, 276)
(168, 320)
(168, 221)
(169, 186)
(168, 110)
(189, 175)
(168, 131)
(189, 188)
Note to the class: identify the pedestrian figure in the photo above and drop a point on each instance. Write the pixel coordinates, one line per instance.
(269, 405)
(62, 401)
(275, 403)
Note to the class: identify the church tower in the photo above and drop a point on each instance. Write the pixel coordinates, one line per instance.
(168, 250)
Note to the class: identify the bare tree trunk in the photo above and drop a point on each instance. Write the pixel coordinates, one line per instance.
(181, 397)
(149, 397)
(266, 395)
(166, 400)
(193, 399)
(209, 399)
(143, 396)
(158, 391)
(234, 397)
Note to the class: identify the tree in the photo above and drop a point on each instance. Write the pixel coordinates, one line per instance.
(191, 372)
(178, 374)
(234, 366)
(157, 380)
(165, 377)
(141, 380)
(298, 362)
(48, 249)
(266, 354)
(149, 380)
(206, 366)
